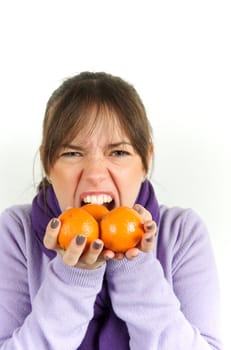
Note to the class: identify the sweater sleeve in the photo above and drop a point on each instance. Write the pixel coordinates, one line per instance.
(177, 315)
(62, 308)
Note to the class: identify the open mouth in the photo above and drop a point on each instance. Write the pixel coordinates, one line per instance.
(101, 199)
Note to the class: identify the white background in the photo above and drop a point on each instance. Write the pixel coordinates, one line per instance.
(177, 55)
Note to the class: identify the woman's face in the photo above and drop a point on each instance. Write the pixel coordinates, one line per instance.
(98, 167)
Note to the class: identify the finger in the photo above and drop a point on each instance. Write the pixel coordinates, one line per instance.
(144, 213)
(93, 253)
(150, 226)
(108, 254)
(132, 253)
(119, 256)
(72, 255)
(147, 242)
(51, 234)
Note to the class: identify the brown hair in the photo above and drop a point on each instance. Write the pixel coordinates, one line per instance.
(68, 107)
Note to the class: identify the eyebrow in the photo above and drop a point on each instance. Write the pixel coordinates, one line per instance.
(117, 144)
(72, 146)
(110, 145)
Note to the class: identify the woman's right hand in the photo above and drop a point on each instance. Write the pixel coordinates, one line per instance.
(74, 255)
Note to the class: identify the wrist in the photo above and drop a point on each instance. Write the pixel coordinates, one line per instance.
(128, 266)
(76, 275)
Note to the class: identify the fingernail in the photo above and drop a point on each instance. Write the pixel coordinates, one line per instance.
(149, 239)
(96, 245)
(80, 239)
(54, 223)
(139, 208)
(150, 227)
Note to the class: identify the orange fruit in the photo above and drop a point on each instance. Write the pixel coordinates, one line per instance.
(96, 210)
(121, 229)
(76, 221)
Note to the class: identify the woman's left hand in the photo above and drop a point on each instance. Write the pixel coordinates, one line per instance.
(147, 242)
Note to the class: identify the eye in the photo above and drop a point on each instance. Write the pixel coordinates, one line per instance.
(71, 154)
(120, 153)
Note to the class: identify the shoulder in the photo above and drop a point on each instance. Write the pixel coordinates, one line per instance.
(16, 214)
(176, 220)
(15, 224)
(173, 214)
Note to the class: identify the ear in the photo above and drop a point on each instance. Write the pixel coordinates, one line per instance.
(149, 161)
(150, 157)
(41, 152)
(150, 154)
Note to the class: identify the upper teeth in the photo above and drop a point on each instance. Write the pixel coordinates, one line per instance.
(97, 199)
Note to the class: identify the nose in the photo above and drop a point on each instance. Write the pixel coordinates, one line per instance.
(96, 171)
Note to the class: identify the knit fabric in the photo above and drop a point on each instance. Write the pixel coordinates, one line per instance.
(45, 207)
(166, 299)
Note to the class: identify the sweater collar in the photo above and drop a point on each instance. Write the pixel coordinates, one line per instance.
(45, 207)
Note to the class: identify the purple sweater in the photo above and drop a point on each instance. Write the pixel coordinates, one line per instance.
(164, 300)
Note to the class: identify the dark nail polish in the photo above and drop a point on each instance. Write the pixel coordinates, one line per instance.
(149, 239)
(80, 239)
(139, 209)
(96, 245)
(54, 223)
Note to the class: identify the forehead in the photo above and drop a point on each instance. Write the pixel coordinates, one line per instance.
(101, 123)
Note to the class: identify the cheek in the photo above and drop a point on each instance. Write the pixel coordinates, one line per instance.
(64, 182)
(63, 174)
(129, 184)
(133, 173)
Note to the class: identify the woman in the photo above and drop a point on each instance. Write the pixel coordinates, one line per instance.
(97, 147)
